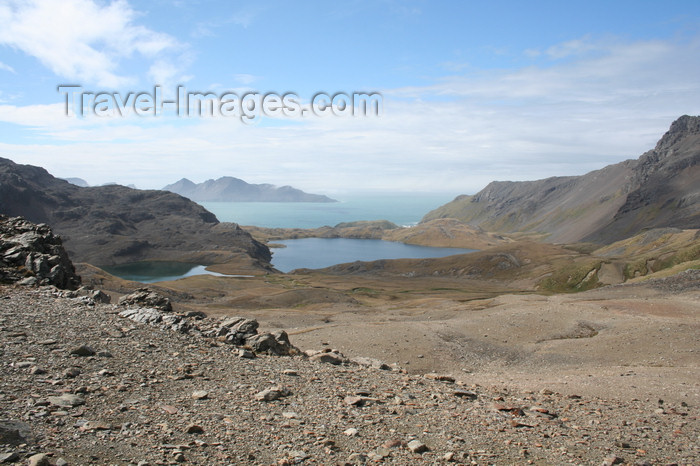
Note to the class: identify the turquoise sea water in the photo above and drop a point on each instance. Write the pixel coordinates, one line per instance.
(403, 209)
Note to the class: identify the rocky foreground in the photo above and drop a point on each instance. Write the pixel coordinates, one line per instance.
(84, 383)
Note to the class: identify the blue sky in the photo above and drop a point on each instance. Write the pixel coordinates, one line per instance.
(472, 91)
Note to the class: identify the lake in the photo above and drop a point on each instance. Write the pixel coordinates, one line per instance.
(309, 253)
(404, 209)
(315, 253)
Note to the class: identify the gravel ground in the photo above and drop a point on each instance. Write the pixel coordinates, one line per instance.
(146, 395)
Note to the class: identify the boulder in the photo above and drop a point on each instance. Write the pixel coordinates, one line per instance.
(274, 343)
(31, 254)
(241, 325)
(145, 297)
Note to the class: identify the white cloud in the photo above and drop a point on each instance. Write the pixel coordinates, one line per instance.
(571, 48)
(605, 103)
(81, 39)
(245, 79)
(244, 17)
(5, 67)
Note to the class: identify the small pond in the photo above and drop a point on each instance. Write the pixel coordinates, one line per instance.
(158, 271)
(316, 253)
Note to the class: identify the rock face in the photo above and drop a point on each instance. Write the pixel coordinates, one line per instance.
(31, 254)
(229, 189)
(660, 189)
(109, 225)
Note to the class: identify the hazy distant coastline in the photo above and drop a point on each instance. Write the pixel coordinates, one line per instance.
(230, 189)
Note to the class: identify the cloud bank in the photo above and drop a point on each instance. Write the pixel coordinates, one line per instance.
(575, 107)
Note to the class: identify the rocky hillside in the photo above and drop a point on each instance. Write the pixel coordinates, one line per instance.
(101, 384)
(229, 189)
(660, 189)
(108, 225)
(32, 255)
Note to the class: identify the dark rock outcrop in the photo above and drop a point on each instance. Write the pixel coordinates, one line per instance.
(148, 307)
(32, 255)
(230, 189)
(240, 331)
(109, 225)
(145, 297)
(660, 189)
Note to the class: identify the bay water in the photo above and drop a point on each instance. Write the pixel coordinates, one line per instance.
(403, 209)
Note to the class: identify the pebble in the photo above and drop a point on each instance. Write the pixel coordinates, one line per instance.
(47, 342)
(96, 425)
(245, 354)
(194, 429)
(10, 457)
(416, 446)
(71, 373)
(200, 394)
(82, 350)
(66, 400)
(383, 452)
(40, 459)
(328, 358)
(612, 459)
(354, 400)
(357, 458)
(440, 377)
(468, 394)
(271, 394)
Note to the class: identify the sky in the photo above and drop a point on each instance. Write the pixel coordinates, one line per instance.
(464, 92)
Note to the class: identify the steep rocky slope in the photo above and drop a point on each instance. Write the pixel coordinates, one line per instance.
(660, 189)
(114, 224)
(230, 189)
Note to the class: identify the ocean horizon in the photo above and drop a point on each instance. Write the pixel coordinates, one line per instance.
(403, 209)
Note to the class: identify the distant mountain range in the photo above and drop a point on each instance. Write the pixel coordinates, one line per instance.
(106, 225)
(77, 181)
(230, 189)
(660, 189)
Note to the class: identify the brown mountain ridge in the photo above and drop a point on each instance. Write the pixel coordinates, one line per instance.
(659, 189)
(106, 225)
